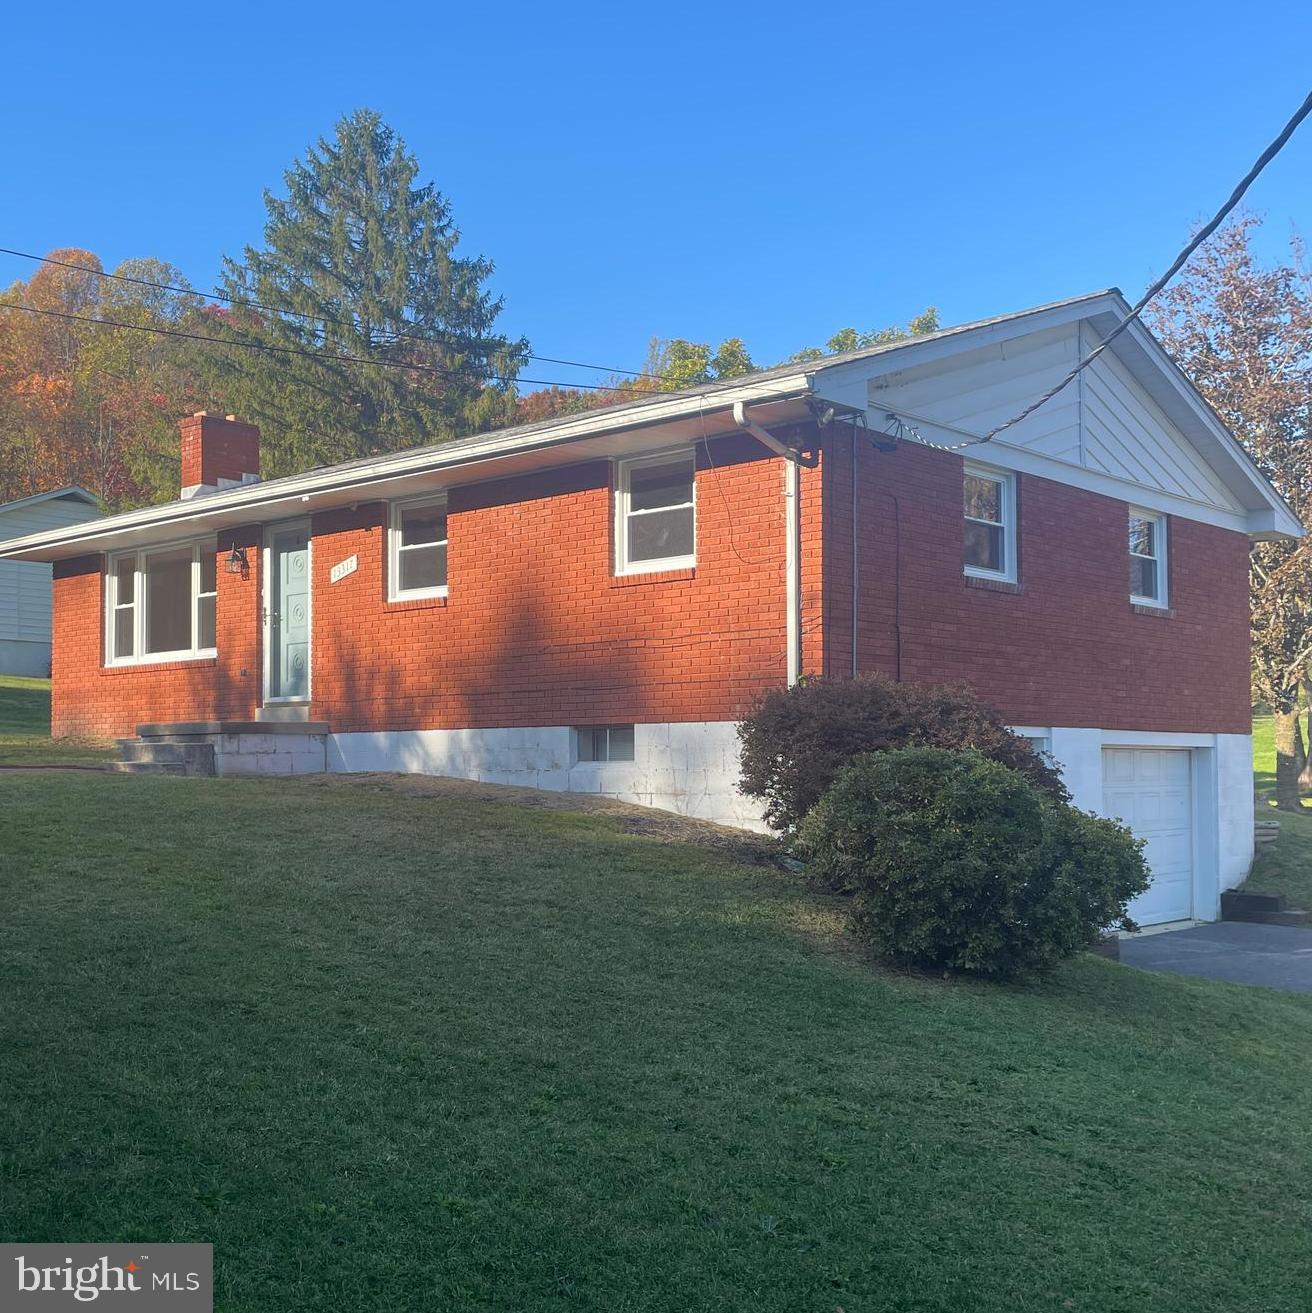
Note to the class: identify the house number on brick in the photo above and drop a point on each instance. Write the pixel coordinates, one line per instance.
(343, 568)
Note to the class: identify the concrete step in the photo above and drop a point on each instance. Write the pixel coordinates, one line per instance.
(146, 767)
(196, 729)
(189, 758)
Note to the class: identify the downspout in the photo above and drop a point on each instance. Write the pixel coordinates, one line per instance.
(793, 461)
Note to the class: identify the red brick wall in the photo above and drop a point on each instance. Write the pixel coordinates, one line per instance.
(538, 631)
(1067, 648)
(89, 699)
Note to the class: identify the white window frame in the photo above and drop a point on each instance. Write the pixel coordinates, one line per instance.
(140, 657)
(395, 593)
(1161, 601)
(608, 730)
(1007, 480)
(623, 476)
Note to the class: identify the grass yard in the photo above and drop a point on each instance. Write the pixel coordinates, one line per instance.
(25, 728)
(1286, 868)
(394, 1050)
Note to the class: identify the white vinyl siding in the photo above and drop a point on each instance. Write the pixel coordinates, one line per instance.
(160, 604)
(1147, 543)
(656, 514)
(988, 499)
(1105, 428)
(25, 585)
(417, 549)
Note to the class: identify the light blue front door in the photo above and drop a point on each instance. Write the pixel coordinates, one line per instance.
(289, 613)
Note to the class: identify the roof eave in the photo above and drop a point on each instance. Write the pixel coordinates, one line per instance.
(253, 501)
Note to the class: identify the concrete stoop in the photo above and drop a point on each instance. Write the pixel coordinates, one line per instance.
(226, 747)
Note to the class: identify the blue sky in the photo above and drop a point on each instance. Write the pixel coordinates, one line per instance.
(773, 172)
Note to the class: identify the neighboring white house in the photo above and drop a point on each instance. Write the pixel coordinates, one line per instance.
(25, 585)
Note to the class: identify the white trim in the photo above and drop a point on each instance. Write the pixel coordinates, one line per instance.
(111, 604)
(841, 380)
(622, 514)
(1159, 521)
(266, 616)
(239, 505)
(1006, 481)
(395, 593)
(577, 757)
(1151, 738)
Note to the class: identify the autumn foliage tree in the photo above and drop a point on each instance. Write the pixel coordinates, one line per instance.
(84, 397)
(1242, 331)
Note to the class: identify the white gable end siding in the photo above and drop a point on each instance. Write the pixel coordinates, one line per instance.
(1127, 435)
(1104, 423)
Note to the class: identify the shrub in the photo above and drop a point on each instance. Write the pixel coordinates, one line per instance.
(797, 740)
(957, 862)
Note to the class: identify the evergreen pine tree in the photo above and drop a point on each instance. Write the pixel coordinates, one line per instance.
(360, 260)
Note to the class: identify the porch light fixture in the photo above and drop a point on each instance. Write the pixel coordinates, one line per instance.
(236, 563)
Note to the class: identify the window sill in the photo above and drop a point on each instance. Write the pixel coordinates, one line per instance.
(992, 585)
(653, 576)
(165, 663)
(1145, 608)
(416, 603)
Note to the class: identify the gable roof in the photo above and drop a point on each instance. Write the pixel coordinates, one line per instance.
(784, 394)
(73, 492)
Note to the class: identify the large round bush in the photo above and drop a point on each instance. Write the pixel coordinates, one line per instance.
(957, 862)
(797, 740)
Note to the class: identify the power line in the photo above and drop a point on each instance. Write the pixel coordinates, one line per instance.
(319, 355)
(304, 314)
(1177, 264)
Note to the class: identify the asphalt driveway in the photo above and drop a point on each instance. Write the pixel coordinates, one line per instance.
(1274, 955)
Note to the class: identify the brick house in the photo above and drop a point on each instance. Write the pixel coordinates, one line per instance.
(592, 602)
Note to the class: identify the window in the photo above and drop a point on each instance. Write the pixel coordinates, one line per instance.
(656, 526)
(160, 603)
(417, 549)
(1147, 558)
(989, 508)
(605, 742)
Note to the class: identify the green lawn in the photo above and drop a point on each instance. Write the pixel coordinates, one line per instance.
(1286, 868)
(25, 728)
(389, 1049)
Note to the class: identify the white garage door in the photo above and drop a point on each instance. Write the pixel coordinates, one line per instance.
(1151, 790)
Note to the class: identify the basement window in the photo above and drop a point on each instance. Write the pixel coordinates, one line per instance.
(604, 743)
(989, 515)
(1147, 558)
(160, 603)
(655, 514)
(417, 543)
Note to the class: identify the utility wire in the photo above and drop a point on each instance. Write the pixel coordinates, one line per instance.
(306, 314)
(1177, 264)
(321, 355)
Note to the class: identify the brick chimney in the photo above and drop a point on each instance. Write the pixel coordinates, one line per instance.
(217, 451)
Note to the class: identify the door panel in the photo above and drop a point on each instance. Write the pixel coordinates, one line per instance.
(1151, 790)
(289, 614)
